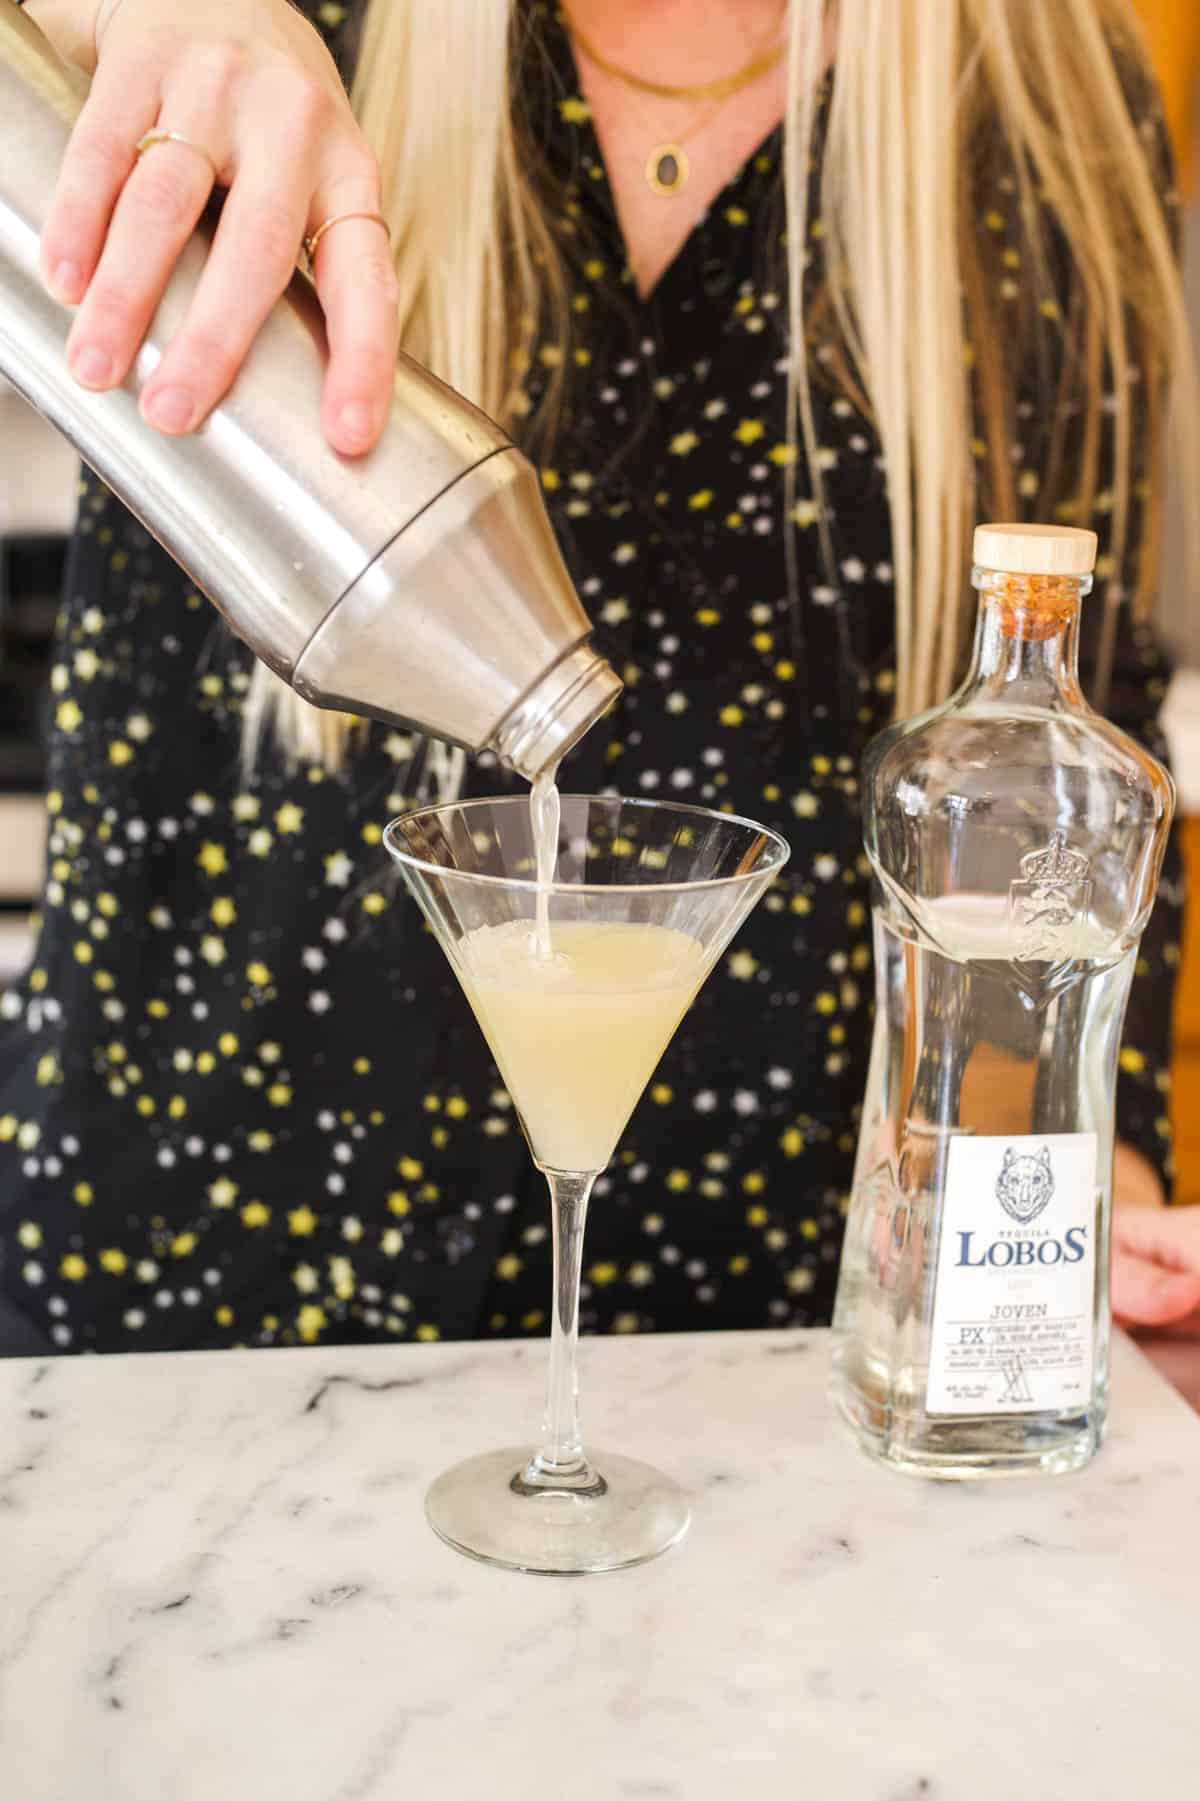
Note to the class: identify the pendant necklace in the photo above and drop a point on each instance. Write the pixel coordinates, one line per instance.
(667, 166)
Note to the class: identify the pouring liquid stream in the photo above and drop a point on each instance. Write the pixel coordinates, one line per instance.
(544, 818)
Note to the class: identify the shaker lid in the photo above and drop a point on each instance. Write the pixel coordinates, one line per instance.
(1035, 549)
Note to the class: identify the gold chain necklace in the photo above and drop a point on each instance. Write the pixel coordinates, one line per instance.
(723, 88)
(667, 166)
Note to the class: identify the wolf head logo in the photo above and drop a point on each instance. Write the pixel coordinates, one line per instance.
(1025, 1184)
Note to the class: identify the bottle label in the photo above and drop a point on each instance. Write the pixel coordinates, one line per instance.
(1014, 1299)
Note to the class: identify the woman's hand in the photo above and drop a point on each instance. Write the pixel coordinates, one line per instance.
(251, 82)
(1155, 1265)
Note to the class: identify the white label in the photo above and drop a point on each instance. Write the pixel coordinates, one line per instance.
(1013, 1310)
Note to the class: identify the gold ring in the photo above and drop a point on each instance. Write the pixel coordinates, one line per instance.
(314, 238)
(175, 137)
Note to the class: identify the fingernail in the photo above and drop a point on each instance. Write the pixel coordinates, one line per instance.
(66, 280)
(357, 421)
(93, 367)
(171, 409)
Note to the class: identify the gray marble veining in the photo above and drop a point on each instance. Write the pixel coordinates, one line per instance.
(216, 1584)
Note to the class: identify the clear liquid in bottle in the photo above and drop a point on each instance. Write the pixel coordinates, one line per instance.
(1015, 840)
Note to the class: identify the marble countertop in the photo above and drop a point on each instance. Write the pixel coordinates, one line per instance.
(216, 1584)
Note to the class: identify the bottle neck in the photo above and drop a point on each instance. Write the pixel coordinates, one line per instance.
(1027, 641)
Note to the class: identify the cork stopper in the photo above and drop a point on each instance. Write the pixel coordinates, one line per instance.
(1062, 550)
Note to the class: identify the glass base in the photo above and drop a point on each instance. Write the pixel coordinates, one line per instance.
(488, 1510)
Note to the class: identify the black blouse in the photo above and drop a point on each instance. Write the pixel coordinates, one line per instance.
(242, 1100)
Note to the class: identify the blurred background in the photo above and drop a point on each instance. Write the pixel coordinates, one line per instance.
(37, 500)
(1173, 30)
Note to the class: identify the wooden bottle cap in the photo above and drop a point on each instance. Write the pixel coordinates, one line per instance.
(1035, 549)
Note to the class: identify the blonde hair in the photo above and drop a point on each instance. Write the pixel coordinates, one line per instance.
(923, 334)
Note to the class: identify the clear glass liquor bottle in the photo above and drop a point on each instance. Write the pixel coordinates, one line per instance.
(1016, 839)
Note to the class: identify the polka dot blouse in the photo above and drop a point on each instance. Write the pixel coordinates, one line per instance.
(242, 1100)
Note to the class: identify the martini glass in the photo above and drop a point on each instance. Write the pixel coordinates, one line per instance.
(644, 900)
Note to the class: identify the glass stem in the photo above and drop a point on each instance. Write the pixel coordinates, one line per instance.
(560, 1462)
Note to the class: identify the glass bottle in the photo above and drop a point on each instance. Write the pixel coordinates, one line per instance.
(1016, 839)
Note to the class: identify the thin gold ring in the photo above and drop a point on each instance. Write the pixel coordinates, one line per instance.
(157, 136)
(313, 240)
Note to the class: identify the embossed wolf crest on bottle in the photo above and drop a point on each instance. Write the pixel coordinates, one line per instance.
(1016, 840)
(1052, 893)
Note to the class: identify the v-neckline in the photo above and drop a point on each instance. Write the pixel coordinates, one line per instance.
(562, 56)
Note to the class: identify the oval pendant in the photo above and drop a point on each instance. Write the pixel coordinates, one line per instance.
(667, 168)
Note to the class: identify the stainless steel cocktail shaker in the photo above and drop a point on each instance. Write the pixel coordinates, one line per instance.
(421, 584)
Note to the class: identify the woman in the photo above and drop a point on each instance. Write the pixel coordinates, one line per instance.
(243, 1100)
